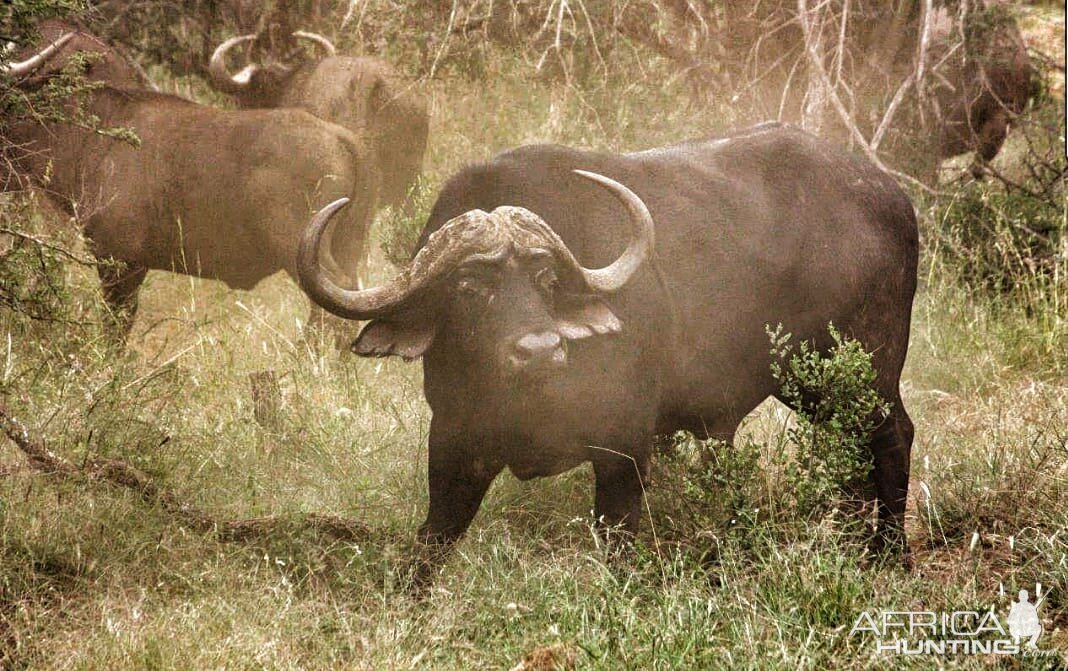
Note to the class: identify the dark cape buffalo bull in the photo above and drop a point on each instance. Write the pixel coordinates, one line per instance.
(217, 194)
(366, 95)
(535, 363)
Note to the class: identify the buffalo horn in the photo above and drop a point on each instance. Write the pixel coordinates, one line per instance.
(614, 276)
(37, 60)
(223, 80)
(347, 303)
(326, 44)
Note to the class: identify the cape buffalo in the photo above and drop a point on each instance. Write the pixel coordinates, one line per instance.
(218, 194)
(366, 95)
(537, 364)
(977, 74)
(981, 99)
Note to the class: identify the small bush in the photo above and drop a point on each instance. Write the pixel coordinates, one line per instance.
(838, 410)
(800, 477)
(33, 280)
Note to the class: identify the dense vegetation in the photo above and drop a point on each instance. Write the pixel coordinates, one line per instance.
(750, 556)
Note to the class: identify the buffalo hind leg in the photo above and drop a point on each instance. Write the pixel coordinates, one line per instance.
(457, 487)
(120, 283)
(891, 448)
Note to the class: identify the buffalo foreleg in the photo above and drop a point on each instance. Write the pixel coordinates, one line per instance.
(618, 500)
(457, 485)
(120, 283)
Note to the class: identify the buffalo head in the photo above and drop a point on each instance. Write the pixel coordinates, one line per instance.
(500, 286)
(59, 40)
(259, 84)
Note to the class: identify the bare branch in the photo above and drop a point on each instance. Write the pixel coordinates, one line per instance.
(816, 61)
(121, 474)
(47, 245)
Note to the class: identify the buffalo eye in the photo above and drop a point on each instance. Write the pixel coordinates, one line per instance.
(475, 285)
(547, 281)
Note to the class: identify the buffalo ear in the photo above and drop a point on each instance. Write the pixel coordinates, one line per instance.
(394, 338)
(379, 95)
(580, 317)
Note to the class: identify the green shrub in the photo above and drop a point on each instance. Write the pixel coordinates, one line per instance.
(838, 410)
(800, 476)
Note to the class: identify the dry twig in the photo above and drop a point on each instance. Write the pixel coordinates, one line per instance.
(121, 474)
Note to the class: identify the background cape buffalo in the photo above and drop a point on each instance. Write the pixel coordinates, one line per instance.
(179, 186)
(366, 95)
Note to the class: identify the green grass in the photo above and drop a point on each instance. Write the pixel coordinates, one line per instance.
(91, 577)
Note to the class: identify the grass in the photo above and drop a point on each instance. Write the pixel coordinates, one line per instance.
(91, 577)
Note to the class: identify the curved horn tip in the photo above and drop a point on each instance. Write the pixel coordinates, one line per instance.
(37, 60)
(220, 77)
(613, 277)
(321, 40)
(602, 179)
(321, 218)
(230, 43)
(337, 204)
(346, 303)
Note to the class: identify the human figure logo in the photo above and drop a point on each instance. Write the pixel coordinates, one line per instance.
(1023, 621)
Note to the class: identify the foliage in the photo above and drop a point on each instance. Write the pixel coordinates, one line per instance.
(399, 229)
(18, 17)
(837, 411)
(801, 474)
(33, 280)
(17, 25)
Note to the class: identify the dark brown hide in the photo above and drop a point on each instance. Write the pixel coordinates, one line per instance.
(216, 194)
(767, 225)
(368, 97)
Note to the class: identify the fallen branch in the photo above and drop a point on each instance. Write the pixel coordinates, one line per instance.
(92, 263)
(121, 474)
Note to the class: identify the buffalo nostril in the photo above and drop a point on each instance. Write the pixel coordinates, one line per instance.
(533, 344)
(547, 347)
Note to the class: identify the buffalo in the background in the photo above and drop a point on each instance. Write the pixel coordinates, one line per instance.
(217, 194)
(101, 63)
(976, 78)
(537, 364)
(366, 95)
(975, 103)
